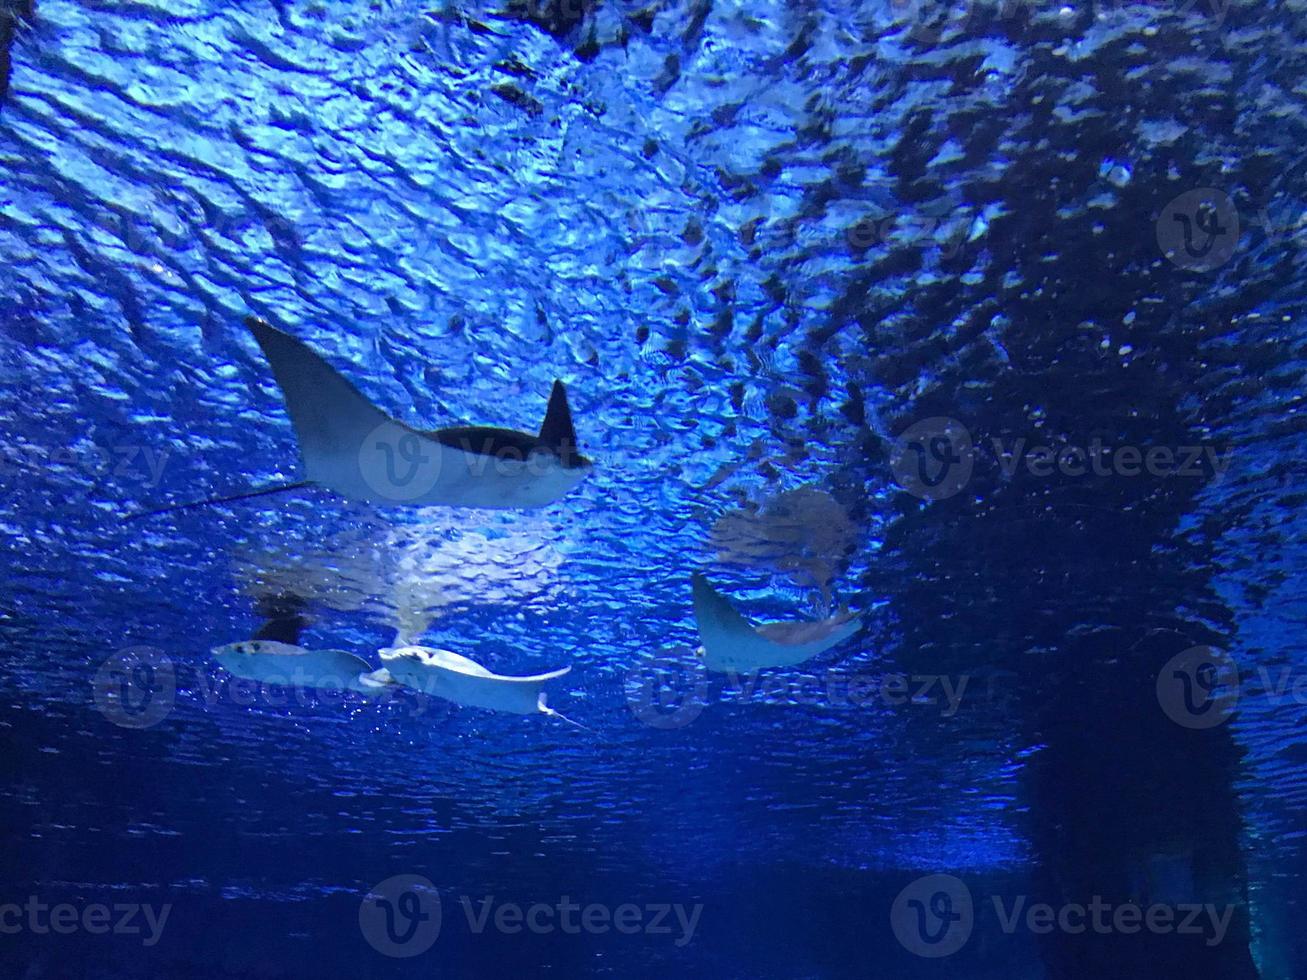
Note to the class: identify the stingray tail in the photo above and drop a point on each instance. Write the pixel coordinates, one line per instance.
(546, 710)
(377, 683)
(261, 492)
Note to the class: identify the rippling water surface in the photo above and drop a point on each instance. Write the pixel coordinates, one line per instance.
(777, 251)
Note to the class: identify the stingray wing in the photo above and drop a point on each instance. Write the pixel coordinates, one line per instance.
(534, 679)
(824, 632)
(519, 695)
(464, 681)
(731, 642)
(293, 666)
(448, 660)
(332, 418)
(718, 620)
(341, 662)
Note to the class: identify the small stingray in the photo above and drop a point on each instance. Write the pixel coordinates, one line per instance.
(732, 643)
(353, 448)
(456, 678)
(271, 662)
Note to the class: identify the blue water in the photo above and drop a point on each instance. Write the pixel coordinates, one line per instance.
(768, 246)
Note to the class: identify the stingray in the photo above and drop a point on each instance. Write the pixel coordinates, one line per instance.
(732, 643)
(274, 655)
(351, 447)
(272, 662)
(461, 680)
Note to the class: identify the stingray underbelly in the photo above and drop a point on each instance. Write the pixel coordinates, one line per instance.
(299, 670)
(494, 693)
(420, 472)
(489, 692)
(757, 654)
(757, 651)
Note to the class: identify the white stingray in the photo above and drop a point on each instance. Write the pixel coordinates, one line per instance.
(456, 678)
(270, 662)
(353, 448)
(732, 643)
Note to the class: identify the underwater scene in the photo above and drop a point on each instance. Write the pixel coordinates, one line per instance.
(728, 489)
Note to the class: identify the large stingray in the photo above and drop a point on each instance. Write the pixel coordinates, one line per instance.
(353, 448)
(461, 680)
(272, 662)
(732, 643)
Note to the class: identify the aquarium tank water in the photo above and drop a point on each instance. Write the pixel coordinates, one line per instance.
(725, 489)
